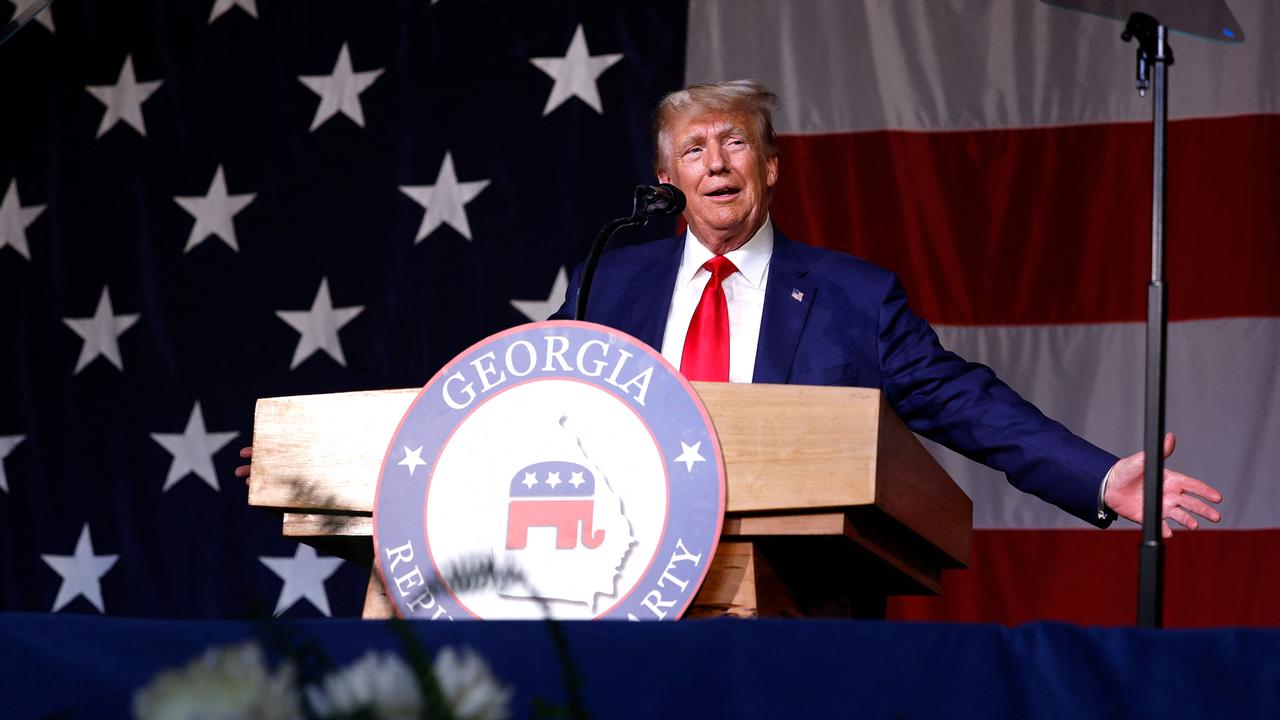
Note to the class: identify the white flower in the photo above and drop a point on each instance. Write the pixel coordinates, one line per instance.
(225, 683)
(382, 683)
(469, 687)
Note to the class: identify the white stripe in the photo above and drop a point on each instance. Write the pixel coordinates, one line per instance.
(1223, 402)
(853, 65)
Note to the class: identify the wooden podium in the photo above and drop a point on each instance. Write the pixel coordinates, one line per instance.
(832, 504)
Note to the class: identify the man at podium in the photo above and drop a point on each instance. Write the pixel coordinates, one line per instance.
(735, 300)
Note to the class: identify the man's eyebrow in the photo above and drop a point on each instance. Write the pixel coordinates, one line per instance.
(692, 138)
(730, 129)
(696, 136)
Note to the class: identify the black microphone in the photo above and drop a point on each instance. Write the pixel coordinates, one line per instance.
(650, 200)
(664, 199)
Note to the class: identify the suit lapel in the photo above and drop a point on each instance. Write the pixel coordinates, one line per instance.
(643, 306)
(788, 296)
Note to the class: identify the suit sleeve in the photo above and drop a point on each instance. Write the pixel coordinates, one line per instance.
(964, 406)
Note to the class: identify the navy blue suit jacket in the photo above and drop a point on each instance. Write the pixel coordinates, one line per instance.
(852, 326)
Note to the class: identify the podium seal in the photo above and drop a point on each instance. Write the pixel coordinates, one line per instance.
(559, 469)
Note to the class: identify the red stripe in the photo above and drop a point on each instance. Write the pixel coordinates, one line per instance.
(1212, 579)
(1048, 225)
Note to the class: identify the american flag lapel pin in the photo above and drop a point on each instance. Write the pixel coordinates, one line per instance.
(797, 295)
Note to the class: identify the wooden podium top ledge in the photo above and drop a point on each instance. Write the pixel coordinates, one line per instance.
(787, 449)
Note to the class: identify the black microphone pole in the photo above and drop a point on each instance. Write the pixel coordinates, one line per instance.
(1154, 57)
(648, 201)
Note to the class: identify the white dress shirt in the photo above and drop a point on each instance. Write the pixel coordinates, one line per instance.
(743, 290)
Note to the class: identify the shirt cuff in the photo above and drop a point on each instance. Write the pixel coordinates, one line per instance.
(1105, 513)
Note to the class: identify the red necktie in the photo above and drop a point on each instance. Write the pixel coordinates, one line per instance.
(706, 346)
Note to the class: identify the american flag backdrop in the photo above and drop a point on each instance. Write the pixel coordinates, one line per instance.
(210, 202)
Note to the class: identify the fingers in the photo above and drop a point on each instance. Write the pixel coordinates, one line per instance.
(1165, 532)
(1183, 507)
(1136, 461)
(1181, 490)
(243, 470)
(1183, 518)
(1197, 506)
(1180, 506)
(1188, 484)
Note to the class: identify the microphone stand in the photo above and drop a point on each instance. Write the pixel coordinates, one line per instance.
(640, 212)
(1153, 53)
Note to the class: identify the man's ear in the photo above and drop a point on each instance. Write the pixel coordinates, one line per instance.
(771, 172)
(663, 177)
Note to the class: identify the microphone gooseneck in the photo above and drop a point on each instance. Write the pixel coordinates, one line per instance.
(648, 201)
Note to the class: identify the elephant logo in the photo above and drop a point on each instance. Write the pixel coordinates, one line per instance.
(560, 517)
(556, 495)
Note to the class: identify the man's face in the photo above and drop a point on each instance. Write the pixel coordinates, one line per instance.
(720, 166)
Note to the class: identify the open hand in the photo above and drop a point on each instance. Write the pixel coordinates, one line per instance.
(1185, 497)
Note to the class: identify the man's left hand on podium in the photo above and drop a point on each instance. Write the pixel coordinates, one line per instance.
(243, 470)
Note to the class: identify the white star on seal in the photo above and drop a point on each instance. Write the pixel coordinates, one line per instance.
(101, 332)
(319, 326)
(530, 479)
(576, 480)
(214, 212)
(304, 575)
(690, 455)
(14, 220)
(81, 573)
(340, 90)
(124, 99)
(412, 459)
(446, 201)
(575, 74)
(7, 444)
(193, 450)
(553, 479)
(541, 309)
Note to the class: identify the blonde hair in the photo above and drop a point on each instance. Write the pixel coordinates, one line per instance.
(746, 97)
